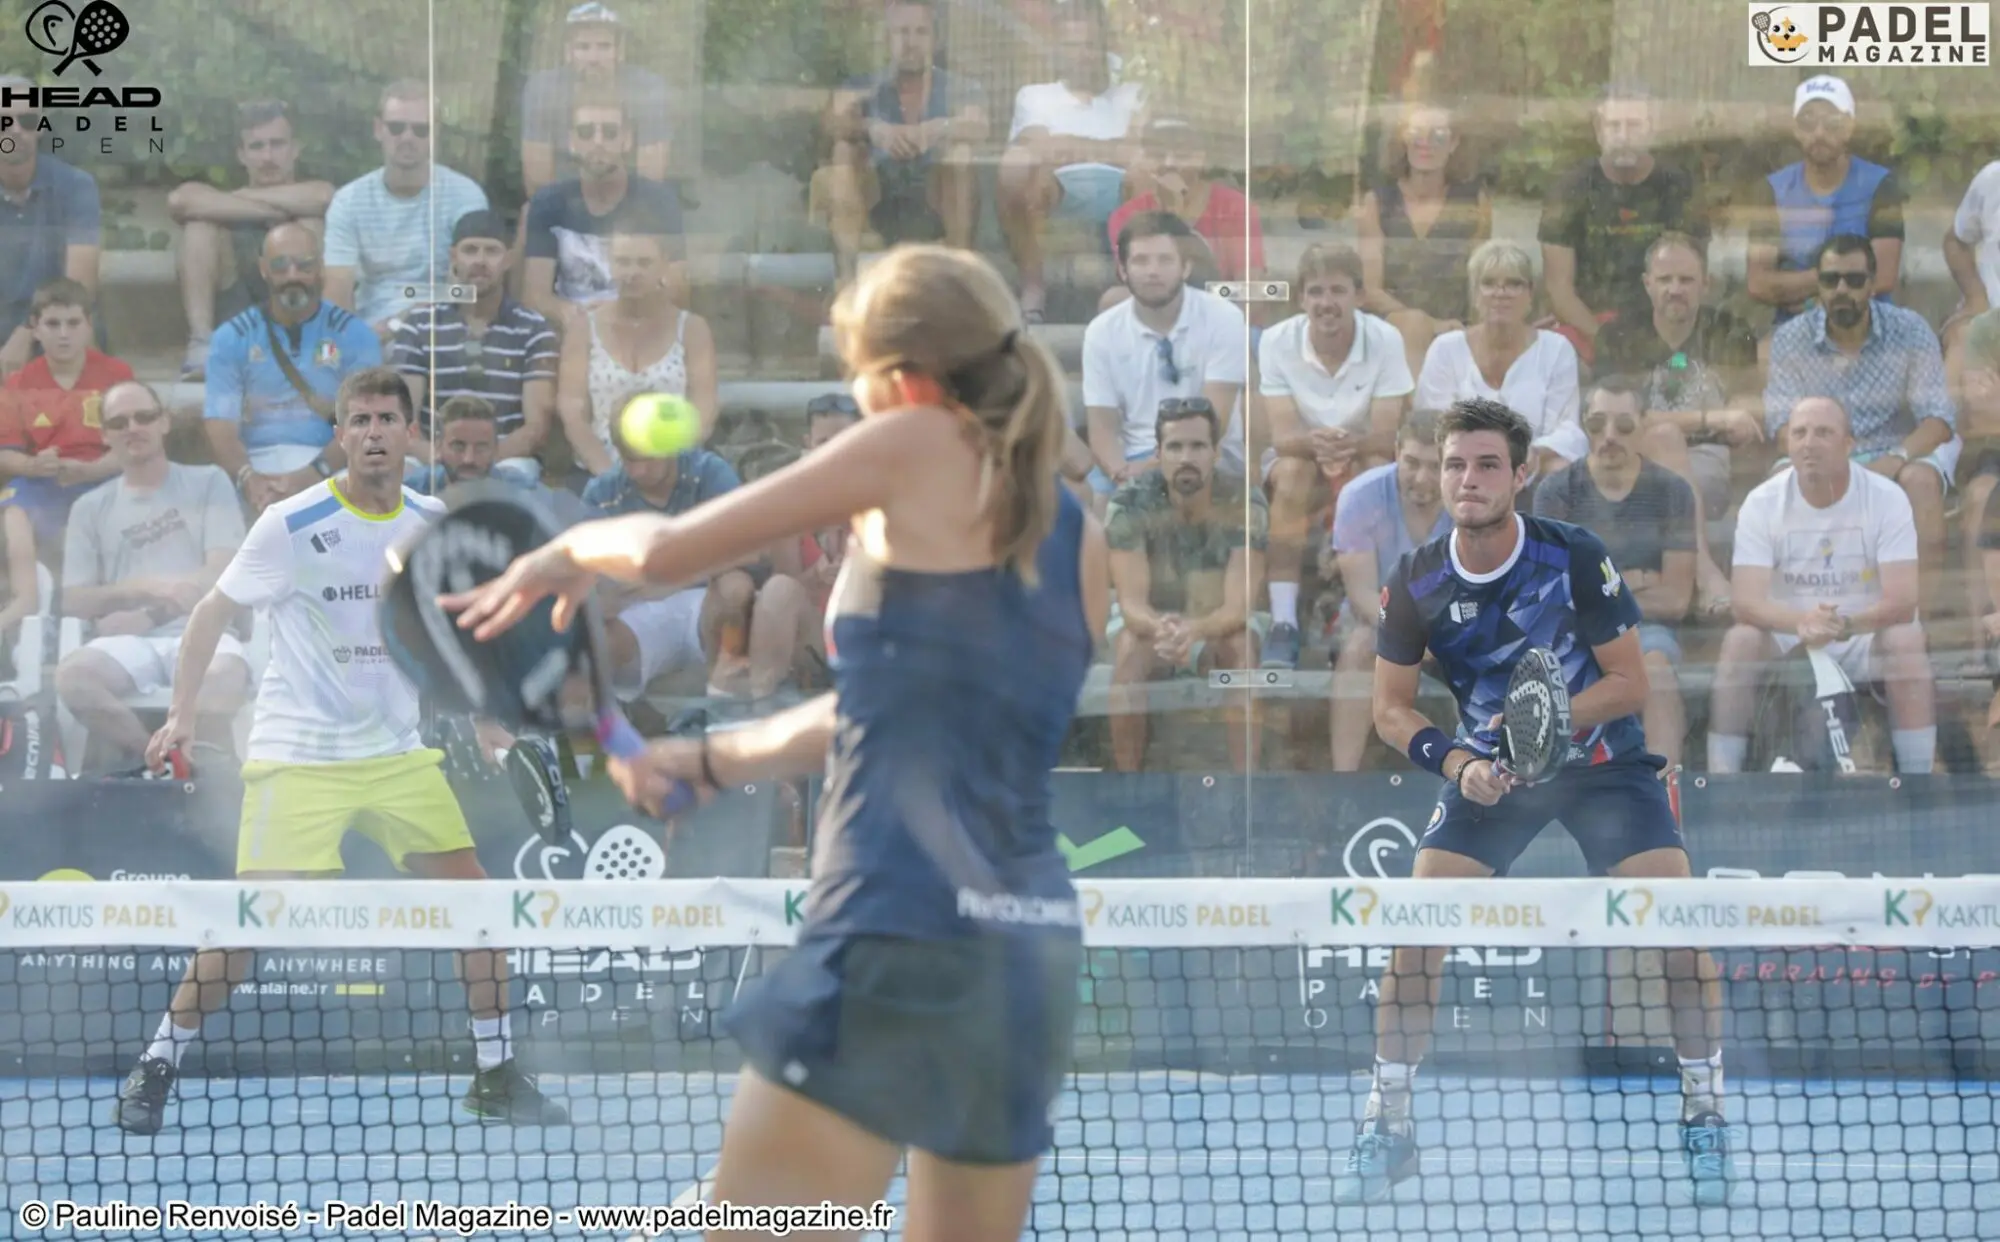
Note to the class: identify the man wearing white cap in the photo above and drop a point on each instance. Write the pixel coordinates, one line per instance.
(1828, 193)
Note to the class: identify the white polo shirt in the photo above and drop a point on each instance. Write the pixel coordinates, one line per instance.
(1124, 370)
(1053, 106)
(1375, 369)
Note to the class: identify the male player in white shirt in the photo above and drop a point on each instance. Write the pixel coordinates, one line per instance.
(335, 738)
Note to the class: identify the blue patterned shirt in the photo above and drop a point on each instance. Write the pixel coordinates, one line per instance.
(1896, 382)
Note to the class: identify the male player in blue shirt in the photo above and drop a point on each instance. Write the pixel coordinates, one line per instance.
(1476, 598)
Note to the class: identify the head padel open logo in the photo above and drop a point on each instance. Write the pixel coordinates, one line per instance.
(70, 36)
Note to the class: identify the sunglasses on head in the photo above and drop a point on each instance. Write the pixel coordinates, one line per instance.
(143, 418)
(1184, 407)
(1626, 424)
(831, 403)
(607, 130)
(397, 129)
(1853, 280)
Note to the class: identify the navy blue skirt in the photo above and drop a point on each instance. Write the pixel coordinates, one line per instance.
(952, 1047)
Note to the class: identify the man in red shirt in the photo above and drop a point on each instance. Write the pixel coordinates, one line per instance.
(51, 447)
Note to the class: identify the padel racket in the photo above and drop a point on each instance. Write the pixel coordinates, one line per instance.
(1534, 722)
(1835, 692)
(521, 678)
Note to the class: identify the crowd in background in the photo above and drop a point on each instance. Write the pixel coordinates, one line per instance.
(1825, 481)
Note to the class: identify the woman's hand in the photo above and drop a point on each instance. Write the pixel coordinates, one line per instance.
(648, 779)
(498, 605)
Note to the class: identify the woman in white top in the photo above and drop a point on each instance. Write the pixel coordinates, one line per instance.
(1502, 357)
(638, 342)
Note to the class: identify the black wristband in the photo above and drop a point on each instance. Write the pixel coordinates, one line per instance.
(1429, 748)
(708, 772)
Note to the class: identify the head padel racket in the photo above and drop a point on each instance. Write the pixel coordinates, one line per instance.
(525, 678)
(1534, 722)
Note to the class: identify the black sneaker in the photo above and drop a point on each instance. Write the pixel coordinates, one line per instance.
(505, 1094)
(142, 1101)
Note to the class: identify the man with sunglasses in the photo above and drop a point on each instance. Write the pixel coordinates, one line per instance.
(569, 223)
(1645, 514)
(1883, 365)
(50, 218)
(389, 231)
(594, 58)
(495, 349)
(1798, 208)
(140, 552)
(272, 374)
(222, 231)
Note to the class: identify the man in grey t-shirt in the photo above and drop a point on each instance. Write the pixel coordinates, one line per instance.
(141, 550)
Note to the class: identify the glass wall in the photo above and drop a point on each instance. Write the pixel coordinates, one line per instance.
(1268, 241)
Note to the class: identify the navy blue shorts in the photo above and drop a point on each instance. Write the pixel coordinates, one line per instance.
(953, 1047)
(1611, 810)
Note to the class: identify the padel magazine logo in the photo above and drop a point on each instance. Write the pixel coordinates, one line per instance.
(1828, 35)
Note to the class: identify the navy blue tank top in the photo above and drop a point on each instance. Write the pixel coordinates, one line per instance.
(955, 691)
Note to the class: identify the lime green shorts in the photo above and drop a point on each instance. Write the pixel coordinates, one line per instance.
(295, 814)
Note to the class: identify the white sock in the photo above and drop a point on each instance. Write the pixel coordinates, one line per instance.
(1701, 1085)
(1389, 1098)
(1726, 752)
(170, 1041)
(1285, 604)
(1916, 749)
(491, 1042)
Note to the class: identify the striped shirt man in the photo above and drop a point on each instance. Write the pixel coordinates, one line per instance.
(518, 348)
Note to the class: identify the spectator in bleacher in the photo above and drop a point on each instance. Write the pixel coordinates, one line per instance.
(141, 551)
(638, 342)
(1829, 193)
(1174, 163)
(1383, 514)
(1881, 362)
(902, 146)
(49, 225)
(22, 595)
(1972, 255)
(468, 439)
(494, 348)
(593, 59)
(1826, 554)
(1185, 548)
(1699, 367)
(690, 626)
(1068, 148)
(1979, 466)
(1168, 340)
(820, 555)
(51, 441)
(272, 374)
(1332, 385)
(570, 223)
(1646, 516)
(1601, 216)
(1417, 230)
(1502, 356)
(389, 231)
(222, 231)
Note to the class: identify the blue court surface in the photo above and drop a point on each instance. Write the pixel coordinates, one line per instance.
(1156, 1155)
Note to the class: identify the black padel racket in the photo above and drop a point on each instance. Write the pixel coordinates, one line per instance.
(518, 678)
(1534, 724)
